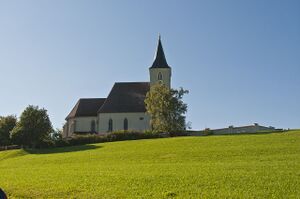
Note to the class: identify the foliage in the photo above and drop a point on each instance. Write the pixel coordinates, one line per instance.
(33, 127)
(84, 133)
(6, 125)
(121, 135)
(176, 134)
(46, 143)
(55, 139)
(243, 166)
(56, 134)
(87, 139)
(166, 108)
(132, 135)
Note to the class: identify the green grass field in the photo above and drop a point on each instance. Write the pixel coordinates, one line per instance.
(240, 166)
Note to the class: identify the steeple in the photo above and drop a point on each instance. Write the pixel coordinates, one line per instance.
(160, 71)
(160, 59)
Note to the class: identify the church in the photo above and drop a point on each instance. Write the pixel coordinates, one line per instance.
(123, 109)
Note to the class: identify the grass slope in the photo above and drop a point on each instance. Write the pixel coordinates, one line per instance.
(241, 166)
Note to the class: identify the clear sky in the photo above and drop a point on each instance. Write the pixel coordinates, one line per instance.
(240, 59)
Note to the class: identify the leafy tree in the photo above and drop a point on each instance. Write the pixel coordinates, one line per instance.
(56, 134)
(6, 125)
(166, 108)
(34, 126)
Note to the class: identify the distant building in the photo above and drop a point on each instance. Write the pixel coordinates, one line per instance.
(123, 109)
(242, 129)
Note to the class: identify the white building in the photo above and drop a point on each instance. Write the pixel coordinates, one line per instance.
(123, 109)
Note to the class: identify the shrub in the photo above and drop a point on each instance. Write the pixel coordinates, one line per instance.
(175, 134)
(86, 139)
(128, 135)
(84, 133)
(114, 136)
(46, 143)
(120, 135)
(62, 143)
(153, 134)
(110, 137)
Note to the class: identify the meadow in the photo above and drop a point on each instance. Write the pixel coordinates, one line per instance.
(235, 166)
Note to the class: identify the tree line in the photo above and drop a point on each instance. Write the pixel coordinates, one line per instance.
(32, 128)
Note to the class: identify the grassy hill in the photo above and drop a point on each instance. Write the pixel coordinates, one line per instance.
(240, 166)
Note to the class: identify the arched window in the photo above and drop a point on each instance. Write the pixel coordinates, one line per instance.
(125, 124)
(110, 125)
(159, 76)
(97, 125)
(93, 126)
(73, 126)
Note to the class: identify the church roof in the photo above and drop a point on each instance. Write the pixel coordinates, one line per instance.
(160, 59)
(126, 97)
(86, 107)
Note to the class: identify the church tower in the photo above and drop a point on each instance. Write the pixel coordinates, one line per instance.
(160, 71)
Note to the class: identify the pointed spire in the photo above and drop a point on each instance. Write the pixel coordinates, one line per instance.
(160, 59)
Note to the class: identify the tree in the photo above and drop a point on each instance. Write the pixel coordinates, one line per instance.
(34, 126)
(166, 108)
(6, 125)
(56, 134)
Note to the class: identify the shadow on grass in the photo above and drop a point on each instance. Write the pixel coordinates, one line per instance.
(13, 154)
(62, 149)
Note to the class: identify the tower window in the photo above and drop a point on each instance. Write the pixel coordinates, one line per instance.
(159, 76)
(110, 125)
(125, 124)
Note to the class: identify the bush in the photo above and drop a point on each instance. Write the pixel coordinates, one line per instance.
(154, 134)
(46, 143)
(85, 139)
(120, 136)
(62, 143)
(110, 137)
(175, 134)
(114, 136)
(84, 133)
(129, 135)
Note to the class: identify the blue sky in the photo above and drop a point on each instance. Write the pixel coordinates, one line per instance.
(240, 59)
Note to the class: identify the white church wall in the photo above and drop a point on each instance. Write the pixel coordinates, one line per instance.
(83, 124)
(66, 130)
(136, 121)
(70, 126)
(78, 124)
